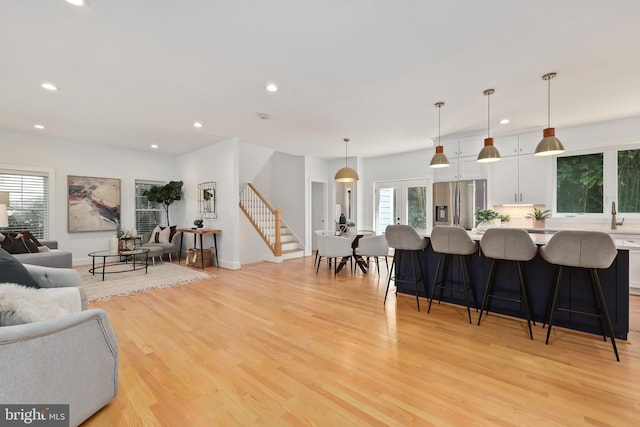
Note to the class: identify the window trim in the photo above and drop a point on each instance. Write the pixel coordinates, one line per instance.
(51, 172)
(609, 184)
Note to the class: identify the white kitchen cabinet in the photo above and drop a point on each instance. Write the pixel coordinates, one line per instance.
(520, 180)
(518, 144)
(462, 154)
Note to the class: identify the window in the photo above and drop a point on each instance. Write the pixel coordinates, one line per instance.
(580, 184)
(148, 214)
(28, 201)
(629, 181)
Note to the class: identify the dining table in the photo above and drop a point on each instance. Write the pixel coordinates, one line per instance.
(361, 262)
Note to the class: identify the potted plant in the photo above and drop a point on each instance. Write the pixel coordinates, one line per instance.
(198, 222)
(165, 195)
(486, 218)
(538, 216)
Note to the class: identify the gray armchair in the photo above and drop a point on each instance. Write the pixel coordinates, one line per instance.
(167, 248)
(72, 359)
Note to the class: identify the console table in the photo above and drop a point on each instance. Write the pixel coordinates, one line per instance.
(200, 232)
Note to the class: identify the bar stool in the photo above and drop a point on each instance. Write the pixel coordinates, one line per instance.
(590, 250)
(447, 241)
(406, 242)
(504, 244)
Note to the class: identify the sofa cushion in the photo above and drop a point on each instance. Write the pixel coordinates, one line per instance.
(18, 243)
(20, 304)
(12, 271)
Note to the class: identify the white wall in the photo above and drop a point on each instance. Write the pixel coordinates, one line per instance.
(64, 158)
(219, 163)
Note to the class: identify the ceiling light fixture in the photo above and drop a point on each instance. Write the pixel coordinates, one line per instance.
(197, 125)
(38, 126)
(549, 145)
(76, 2)
(49, 86)
(439, 159)
(489, 153)
(346, 174)
(263, 116)
(504, 121)
(271, 87)
(154, 146)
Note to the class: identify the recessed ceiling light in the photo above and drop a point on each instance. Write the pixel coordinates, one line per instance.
(272, 87)
(264, 116)
(197, 124)
(49, 86)
(76, 2)
(504, 121)
(38, 126)
(154, 146)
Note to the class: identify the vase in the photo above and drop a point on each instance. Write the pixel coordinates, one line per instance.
(113, 245)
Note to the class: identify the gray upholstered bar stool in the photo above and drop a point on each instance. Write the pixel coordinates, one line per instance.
(507, 244)
(406, 242)
(589, 250)
(453, 241)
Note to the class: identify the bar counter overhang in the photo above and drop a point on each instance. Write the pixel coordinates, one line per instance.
(539, 276)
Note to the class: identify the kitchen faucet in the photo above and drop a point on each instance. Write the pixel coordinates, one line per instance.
(614, 223)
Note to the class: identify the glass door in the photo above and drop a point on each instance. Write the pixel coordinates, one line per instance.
(403, 202)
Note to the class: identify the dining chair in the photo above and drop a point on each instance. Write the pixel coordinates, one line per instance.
(334, 248)
(373, 247)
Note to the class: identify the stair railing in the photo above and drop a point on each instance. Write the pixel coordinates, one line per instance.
(265, 219)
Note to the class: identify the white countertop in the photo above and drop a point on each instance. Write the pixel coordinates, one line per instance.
(542, 239)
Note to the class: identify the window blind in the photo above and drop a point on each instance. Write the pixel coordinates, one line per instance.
(148, 214)
(28, 201)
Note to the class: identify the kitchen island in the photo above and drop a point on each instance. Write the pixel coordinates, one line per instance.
(539, 277)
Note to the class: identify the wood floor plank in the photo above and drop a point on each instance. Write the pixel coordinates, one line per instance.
(276, 344)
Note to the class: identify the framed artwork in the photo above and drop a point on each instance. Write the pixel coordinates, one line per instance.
(207, 200)
(93, 204)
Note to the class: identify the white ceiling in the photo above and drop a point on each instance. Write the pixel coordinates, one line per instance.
(135, 73)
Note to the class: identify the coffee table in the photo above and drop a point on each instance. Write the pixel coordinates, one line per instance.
(122, 258)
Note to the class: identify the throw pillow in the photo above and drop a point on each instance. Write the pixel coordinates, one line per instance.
(164, 235)
(152, 237)
(20, 243)
(12, 271)
(19, 305)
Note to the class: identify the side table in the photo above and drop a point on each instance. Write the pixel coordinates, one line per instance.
(200, 232)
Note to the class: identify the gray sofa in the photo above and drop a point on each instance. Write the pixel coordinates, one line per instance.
(54, 258)
(72, 359)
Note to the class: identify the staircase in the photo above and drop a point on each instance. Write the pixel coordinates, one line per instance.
(268, 222)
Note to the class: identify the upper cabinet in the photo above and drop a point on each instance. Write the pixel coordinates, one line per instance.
(520, 177)
(462, 159)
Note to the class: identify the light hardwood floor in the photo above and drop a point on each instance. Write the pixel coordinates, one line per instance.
(276, 345)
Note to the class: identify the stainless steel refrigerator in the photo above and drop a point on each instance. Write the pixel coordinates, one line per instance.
(456, 202)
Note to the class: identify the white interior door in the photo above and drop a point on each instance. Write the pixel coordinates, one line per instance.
(403, 202)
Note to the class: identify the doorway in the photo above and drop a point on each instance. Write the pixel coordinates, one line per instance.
(403, 202)
(318, 210)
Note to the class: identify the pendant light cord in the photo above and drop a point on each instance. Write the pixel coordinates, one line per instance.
(549, 103)
(439, 124)
(488, 115)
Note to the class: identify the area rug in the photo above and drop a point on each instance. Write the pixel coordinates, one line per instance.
(161, 275)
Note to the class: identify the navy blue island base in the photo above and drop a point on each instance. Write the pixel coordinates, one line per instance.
(539, 276)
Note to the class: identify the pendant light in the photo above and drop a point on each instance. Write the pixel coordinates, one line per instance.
(549, 145)
(346, 174)
(489, 153)
(439, 159)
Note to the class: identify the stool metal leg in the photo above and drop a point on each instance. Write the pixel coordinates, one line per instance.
(554, 303)
(465, 286)
(435, 280)
(394, 262)
(488, 290)
(605, 312)
(525, 297)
